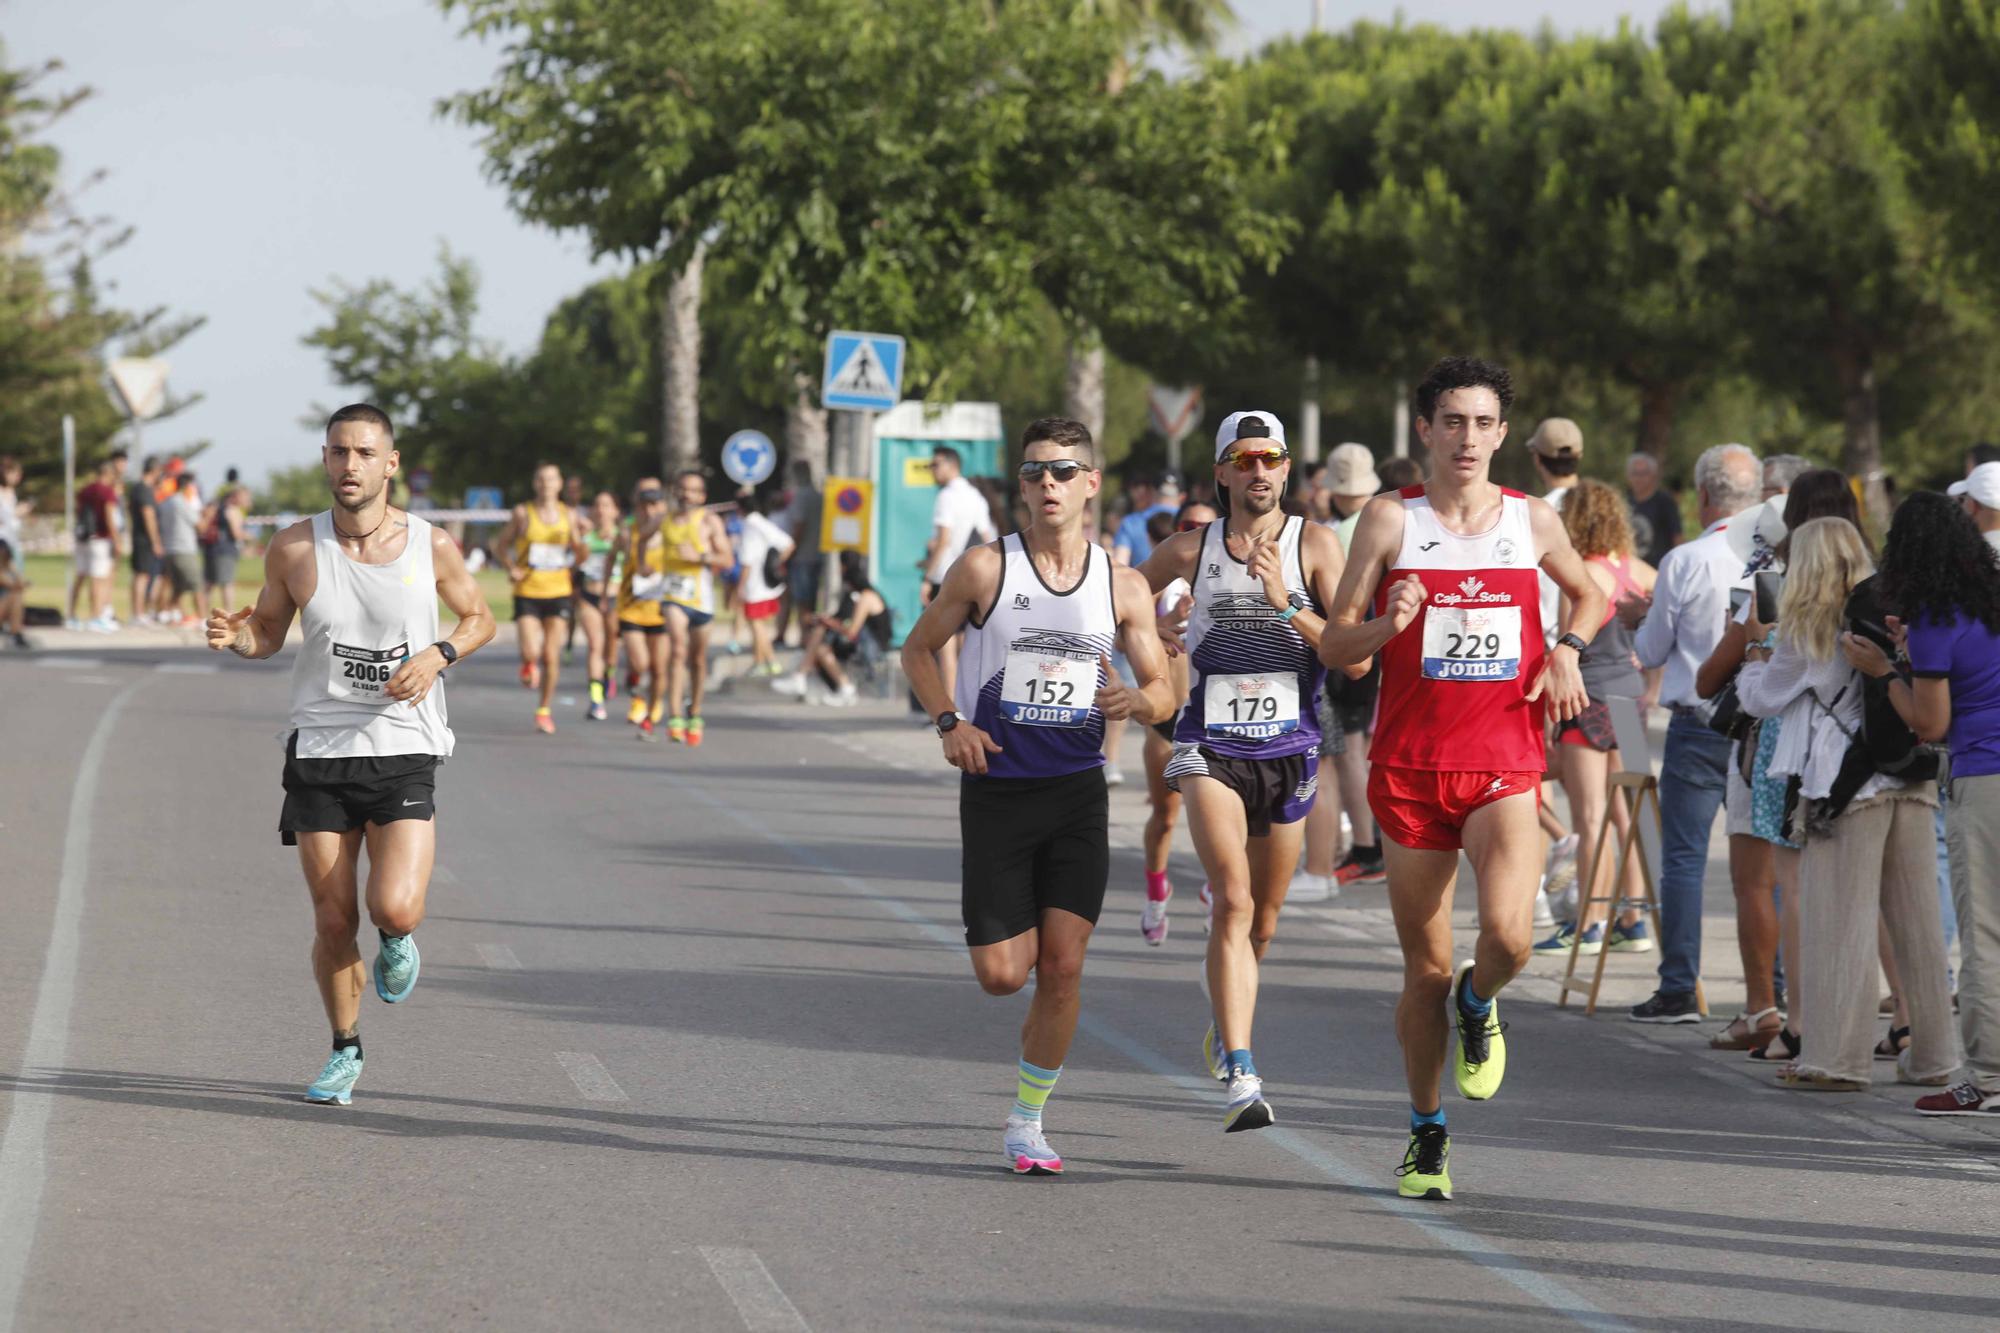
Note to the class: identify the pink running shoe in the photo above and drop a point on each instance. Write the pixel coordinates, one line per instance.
(1027, 1151)
(1153, 920)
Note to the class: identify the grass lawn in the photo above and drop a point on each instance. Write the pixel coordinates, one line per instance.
(48, 585)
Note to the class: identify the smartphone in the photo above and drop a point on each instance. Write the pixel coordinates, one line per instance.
(1868, 629)
(1738, 599)
(1769, 584)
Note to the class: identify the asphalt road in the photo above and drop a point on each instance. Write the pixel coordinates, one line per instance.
(696, 1046)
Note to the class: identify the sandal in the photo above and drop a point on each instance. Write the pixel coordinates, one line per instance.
(1785, 1038)
(1812, 1080)
(1893, 1045)
(1746, 1031)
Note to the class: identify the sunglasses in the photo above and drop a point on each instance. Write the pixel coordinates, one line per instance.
(1245, 459)
(1062, 469)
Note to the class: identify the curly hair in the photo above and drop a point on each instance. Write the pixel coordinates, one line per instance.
(1937, 566)
(1828, 560)
(1595, 517)
(1463, 372)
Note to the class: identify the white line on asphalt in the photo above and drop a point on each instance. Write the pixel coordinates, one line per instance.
(23, 1168)
(78, 663)
(1367, 1187)
(500, 956)
(759, 1300)
(592, 1079)
(188, 668)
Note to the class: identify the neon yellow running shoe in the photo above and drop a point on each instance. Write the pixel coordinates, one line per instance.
(1422, 1174)
(1481, 1061)
(637, 712)
(677, 729)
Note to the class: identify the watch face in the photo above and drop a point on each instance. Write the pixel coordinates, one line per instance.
(1299, 601)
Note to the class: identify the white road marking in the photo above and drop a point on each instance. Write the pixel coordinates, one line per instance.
(761, 1303)
(78, 663)
(188, 668)
(500, 956)
(592, 1079)
(443, 876)
(23, 1167)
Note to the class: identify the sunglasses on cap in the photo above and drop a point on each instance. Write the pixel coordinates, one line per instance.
(651, 497)
(1062, 469)
(1245, 459)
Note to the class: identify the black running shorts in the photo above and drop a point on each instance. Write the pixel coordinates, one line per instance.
(336, 795)
(1032, 844)
(541, 608)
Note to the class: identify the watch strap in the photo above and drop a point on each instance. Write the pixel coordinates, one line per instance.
(1289, 612)
(446, 651)
(1572, 641)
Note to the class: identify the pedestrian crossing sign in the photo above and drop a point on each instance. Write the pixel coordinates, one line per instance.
(864, 371)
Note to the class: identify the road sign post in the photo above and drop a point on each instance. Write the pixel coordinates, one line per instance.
(1174, 412)
(863, 375)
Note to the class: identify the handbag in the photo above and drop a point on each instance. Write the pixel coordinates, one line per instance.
(1727, 715)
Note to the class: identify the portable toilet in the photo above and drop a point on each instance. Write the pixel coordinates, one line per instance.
(905, 490)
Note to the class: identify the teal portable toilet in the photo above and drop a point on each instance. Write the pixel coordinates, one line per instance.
(905, 491)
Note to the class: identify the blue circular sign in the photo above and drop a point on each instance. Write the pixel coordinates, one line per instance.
(749, 457)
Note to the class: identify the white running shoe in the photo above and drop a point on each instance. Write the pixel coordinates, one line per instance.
(1114, 777)
(1310, 888)
(1028, 1152)
(1247, 1108)
(1153, 920)
(794, 685)
(844, 697)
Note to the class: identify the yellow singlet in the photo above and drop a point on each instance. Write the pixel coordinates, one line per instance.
(690, 583)
(645, 577)
(545, 548)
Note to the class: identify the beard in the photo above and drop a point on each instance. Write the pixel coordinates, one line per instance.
(361, 499)
(1256, 506)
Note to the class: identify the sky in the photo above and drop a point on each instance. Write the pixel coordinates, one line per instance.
(262, 151)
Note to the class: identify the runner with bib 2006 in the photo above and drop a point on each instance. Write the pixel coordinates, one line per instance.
(1041, 610)
(1246, 747)
(368, 717)
(1457, 761)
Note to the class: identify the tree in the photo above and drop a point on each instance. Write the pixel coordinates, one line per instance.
(1946, 114)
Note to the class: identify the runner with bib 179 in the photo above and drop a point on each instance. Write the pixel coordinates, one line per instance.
(1457, 762)
(1041, 610)
(368, 721)
(1246, 748)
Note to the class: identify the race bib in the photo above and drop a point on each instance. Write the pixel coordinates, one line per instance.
(648, 587)
(1252, 706)
(549, 555)
(1472, 643)
(1048, 689)
(362, 674)
(683, 587)
(593, 567)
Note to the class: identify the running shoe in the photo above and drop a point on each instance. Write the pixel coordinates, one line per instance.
(1591, 945)
(1635, 938)
(1961, 1099)
(531, 676)
(844, 697)
(544, 723)
(1359, 868)
(1481, 1061)
(637, 712)
(1153, 920)
(1212, 1054)
(1663, 1007)
(794, 685)
(396, 968)
(1422, 1174)
(1559, 873)
(1114, 777)
(1028, 1152)
(1311, 888)
(1247, 1108)
(335, 1084)
(677, 729)
(694, 732)
(646, 732)
(596, 713)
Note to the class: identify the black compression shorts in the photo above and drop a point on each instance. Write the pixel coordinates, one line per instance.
(542, 608)
(1032, 844)
(336, 795)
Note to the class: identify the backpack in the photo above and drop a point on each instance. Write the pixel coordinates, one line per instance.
(1893, 750)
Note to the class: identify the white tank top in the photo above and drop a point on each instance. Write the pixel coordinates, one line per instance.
(1028, 674)
(362, 622)
(1253, 679)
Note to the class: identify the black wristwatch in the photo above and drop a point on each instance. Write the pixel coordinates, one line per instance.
(946, 721)
(1571, 641)
(446, 651)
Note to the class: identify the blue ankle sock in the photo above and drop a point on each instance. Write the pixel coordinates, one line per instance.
(1241, 1063)
(1420, 1118)
(1469, 1001)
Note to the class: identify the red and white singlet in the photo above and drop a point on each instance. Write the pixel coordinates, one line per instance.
(1454, 682)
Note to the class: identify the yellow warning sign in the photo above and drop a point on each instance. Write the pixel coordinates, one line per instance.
(917, 471)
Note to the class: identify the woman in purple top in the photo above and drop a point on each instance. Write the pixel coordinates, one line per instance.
(1944, 579)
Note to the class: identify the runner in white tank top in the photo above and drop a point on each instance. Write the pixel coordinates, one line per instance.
(1449, 571)
(1246, 747)
(1042, 610)
(368, 717)
(1165, 801)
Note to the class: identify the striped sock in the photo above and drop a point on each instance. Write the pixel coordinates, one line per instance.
(1032, 1093)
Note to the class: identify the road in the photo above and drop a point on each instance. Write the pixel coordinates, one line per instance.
(696, 1046)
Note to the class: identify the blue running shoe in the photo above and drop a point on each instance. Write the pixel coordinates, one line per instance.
(396, 968)
(335, 1083)
(1634, 938)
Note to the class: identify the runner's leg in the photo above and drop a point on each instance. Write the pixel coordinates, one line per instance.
(552, 628)
(1272, 859)
(1221, 831)
(329, 862)
(400, 854)
(528, 638)
(1500, 841)
(677, 661)
(1052, 1014)
(697, 667)
(1420, 889)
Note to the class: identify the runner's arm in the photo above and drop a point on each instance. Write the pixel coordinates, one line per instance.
(1350, 638)
(968, 587)
(259, 631)
(504, 542)
(721, 550)
(1584, 608)
(460, 593)
(1172, 559)
(1138, 633)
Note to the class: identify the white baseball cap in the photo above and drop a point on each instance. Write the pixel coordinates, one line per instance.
(1983, 485)
(1251, 425)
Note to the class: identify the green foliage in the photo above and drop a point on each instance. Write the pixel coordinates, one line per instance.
(1947, 117)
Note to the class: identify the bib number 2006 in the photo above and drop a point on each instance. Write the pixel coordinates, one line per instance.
(363, 673)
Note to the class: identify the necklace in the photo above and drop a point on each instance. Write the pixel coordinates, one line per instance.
(366, 535)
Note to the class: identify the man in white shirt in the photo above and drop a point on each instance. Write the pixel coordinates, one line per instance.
(1678, 628)
(1980, 494)
(960, 517)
